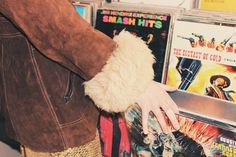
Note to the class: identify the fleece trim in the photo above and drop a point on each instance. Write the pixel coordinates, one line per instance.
(125, 76)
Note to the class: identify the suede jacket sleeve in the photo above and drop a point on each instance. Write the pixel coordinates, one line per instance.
(60, 33)
(115, 71)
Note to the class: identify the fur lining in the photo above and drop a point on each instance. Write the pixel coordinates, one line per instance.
(125, 76)
(92, 148)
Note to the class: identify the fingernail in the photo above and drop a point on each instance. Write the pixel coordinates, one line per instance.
(145, 132)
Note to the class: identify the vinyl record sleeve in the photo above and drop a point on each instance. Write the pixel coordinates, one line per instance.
(200, 56)
(203, 63)
(195, 138)
(151, 27)
(218, 5)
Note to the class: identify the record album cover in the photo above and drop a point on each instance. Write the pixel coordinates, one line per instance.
(203, 59)
(152, 28)
(217, 5)
(194, 138)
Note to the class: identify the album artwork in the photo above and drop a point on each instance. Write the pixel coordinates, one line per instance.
(153, 28)
(203, 59)
(194, 138)
(217, 5)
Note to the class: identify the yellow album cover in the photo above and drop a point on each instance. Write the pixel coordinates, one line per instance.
(218, 5)
(203, 59)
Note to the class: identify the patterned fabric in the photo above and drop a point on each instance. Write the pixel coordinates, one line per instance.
(91, 149)
(107, 133)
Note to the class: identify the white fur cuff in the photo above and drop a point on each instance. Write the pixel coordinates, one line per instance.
(125, 76)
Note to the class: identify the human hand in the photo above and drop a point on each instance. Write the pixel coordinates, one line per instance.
(156, 99)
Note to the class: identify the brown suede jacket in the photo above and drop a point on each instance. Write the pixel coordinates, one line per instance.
(49, 59)
(43, 101)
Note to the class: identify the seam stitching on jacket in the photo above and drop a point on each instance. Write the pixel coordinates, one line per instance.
(9, 35)
(72, 123)
(45, 93)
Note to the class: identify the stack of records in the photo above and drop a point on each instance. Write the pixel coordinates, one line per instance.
(203, 52)
(87, 9)
(196, 52)
(202, 64)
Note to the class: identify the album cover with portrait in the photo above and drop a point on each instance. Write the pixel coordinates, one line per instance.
(203, 59)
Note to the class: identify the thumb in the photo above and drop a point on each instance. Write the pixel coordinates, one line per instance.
(167, 87)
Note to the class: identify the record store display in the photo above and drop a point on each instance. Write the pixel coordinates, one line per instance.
(195, 50)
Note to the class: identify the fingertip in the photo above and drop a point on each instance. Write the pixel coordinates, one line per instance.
(144, 122)
(145, 131)
(170, 88)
